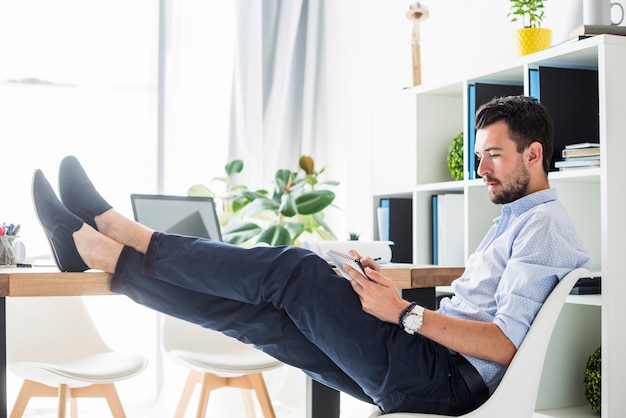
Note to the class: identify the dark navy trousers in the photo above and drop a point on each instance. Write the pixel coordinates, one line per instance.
(289, 303)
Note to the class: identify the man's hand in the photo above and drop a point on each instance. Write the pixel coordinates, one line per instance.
(378, 294)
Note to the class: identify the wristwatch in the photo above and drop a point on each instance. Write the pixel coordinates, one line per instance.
(413, 319)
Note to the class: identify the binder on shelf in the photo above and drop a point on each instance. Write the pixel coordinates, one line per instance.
(400, 227)
(479, 94)
(533, 83)
(571, 97)
(448, 228)
(434, 233)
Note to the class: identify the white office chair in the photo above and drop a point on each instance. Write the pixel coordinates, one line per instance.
(53, 344)
(517, 393)
(216, 360)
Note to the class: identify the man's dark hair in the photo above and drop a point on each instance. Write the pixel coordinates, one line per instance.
(527, 119)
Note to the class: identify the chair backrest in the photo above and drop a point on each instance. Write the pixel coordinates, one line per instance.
(516, 395)
(50, 328)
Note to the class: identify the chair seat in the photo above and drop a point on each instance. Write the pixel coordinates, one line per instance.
(226, 364)
(80, 371)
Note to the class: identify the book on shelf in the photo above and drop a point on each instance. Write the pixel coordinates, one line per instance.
(583, 145)
(577, 163)
(395, 223)
(580, 152)
(591, 30)
(588, 285)
(448, 229)
(582, 158)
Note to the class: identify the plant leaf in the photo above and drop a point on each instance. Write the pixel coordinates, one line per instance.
(233, 167)
(287, 205)
(240, 233)
(314, 201)
(282, 179)
(259, 205)
(295, 229)
(320, 220)
(252, 196)
(275, 235)
(200, 190)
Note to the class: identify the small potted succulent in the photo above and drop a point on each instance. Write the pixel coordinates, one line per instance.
(531, 37)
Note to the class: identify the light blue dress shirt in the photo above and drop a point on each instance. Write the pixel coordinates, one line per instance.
(530, 246)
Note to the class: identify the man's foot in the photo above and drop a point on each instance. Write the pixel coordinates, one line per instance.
(58, 223)
(78, 192)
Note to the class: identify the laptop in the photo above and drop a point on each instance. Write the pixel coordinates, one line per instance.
(183, 215)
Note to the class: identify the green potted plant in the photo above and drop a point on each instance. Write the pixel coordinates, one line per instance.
(593, 380)
(531, 37)
(455, 157)
(295, 206)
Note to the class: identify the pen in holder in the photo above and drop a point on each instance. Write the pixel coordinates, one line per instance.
(7, 255)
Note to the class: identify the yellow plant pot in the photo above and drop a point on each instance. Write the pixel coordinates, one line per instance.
(529, 40)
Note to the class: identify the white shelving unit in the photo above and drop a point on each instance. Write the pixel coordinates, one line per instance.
(412, 133)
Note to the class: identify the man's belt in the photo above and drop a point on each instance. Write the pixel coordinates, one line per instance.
(472, 378)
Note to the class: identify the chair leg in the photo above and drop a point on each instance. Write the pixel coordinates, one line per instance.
(258, 384)
(26, 391)
(73, 407)
(209, 382)
(248, 403)
(103, 390)
(113, 399)
(64, 393)
(63, 396)
(193, 378)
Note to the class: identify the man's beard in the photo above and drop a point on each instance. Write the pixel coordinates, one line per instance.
(517, 189)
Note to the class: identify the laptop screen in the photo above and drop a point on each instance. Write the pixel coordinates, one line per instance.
(184, 215)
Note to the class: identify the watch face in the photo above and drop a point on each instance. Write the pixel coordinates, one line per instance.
(412, 321)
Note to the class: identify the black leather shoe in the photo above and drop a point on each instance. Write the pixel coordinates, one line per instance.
(58, 223)
(78, 192)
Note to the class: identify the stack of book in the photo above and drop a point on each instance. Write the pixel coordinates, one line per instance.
(588, 285)
(583, 155)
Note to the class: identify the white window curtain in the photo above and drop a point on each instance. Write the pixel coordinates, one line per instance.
(275, 94)
(196, 64)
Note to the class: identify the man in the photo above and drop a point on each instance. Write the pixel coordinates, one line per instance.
(358, 336)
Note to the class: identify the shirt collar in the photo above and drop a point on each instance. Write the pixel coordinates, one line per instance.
(527, 202)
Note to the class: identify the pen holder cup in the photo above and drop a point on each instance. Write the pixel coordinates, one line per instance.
(7, 255)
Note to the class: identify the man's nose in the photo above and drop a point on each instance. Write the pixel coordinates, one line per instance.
(483, 167)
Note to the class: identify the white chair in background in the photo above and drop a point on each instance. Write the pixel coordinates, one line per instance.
(53, 344)
(516, 395)
(216, 360)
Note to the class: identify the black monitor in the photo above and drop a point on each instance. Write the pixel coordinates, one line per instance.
(184, 215)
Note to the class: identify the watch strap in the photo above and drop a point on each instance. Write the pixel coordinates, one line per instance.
(404, 312)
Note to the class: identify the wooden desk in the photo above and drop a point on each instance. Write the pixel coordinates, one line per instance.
(16, 282)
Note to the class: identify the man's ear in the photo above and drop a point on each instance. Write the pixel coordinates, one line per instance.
(535, 153)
